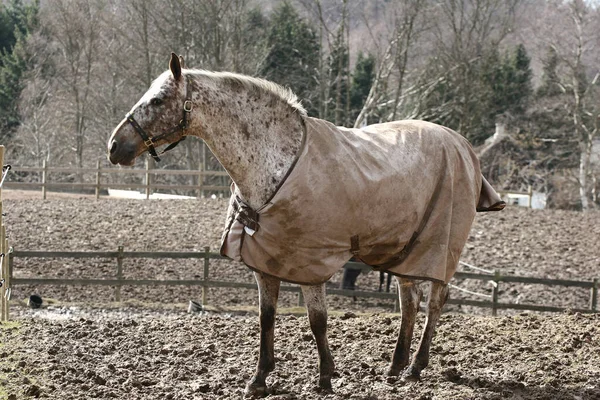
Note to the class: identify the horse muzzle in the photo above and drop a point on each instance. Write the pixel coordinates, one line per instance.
(121, 153)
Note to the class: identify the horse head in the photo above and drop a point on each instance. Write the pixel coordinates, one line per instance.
(160, 117)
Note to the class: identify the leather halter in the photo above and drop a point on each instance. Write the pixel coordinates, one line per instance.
(182, 126)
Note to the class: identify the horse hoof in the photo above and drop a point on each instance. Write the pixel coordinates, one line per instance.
(393, 371)
(254, 390)
(411, 374)
(325, 385)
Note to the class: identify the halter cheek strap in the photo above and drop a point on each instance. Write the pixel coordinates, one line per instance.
(182, 126)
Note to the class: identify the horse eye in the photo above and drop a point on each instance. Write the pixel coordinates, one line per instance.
(156, 101)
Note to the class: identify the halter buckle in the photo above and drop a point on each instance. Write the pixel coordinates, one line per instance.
(187, 106)
(149, 143)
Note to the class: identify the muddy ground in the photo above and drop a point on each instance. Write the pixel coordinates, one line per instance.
(146, 355)
(83, 345)
(541, 243)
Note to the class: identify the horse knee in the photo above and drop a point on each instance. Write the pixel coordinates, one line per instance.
(438, 296)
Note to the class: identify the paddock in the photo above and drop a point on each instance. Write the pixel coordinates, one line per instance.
(84, 344)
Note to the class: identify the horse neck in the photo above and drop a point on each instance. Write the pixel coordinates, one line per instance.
(255, 135)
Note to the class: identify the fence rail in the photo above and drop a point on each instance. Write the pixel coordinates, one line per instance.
(205, 283)
(98, 184)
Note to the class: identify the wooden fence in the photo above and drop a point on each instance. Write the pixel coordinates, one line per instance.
(205, 283)
(5, 275)
(100, 182)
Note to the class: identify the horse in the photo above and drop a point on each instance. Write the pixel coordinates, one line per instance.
(307, 196)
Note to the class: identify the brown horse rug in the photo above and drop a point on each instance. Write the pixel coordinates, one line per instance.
(399, 196)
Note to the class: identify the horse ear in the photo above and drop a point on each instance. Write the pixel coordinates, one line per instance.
(175, 66)
(182, 62)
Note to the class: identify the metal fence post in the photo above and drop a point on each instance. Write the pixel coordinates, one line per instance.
(147, 178)
(495, 293)
(97, 179)
(44, 178)
(202, 192)
(205, 275)
(594, 296)
(119, 273)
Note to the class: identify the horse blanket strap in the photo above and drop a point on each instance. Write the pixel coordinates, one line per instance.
(399, 196)
(246, 215)
(182, 126)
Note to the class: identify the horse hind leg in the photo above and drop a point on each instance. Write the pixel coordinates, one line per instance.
(268, 293)
(410, 296)
(314, 297)
(437, 298)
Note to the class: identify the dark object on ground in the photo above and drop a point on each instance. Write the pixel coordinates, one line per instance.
(35, 301)
(349, 278)
(195, 307)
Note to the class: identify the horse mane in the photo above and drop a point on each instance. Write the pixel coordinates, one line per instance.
(256, 84)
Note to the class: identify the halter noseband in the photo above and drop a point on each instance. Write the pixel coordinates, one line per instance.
(183, 124)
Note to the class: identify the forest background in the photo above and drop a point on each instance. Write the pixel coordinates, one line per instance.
(528, 70)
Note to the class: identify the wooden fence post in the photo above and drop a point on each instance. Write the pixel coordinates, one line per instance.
(495, 293)
(594, 296)
(530, 198)
(300, 298)
(119, 273)
(44, 178)
(97, 179)
(4, 268)
(3, 316)
(205, 275)
(6, 274)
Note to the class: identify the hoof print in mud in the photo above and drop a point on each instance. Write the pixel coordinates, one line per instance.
(411, 375)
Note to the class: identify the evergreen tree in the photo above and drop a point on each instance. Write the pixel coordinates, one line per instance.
(252, 42)
(293, 56)
(549, 86)
(470, 97)
(337, 103)
(521, 89)
(16, 21)
(509, 84)
(362, 80)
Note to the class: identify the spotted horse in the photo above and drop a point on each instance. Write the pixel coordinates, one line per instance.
(307, 196)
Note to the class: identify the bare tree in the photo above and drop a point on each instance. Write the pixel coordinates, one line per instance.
(577, 48)
(408, 22)
(75, 28)
(36, 139)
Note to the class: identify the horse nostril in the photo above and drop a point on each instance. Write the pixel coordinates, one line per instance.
(113, 147)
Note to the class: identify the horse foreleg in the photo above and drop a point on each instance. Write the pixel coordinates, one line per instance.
(410, 297)
(268, 292)
(437, 299)
(314, 297)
